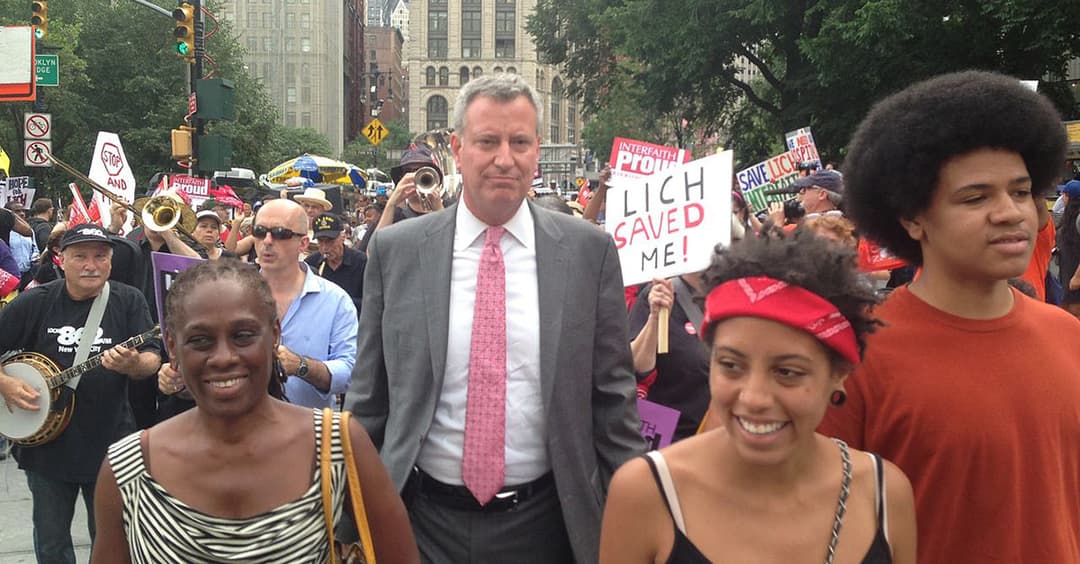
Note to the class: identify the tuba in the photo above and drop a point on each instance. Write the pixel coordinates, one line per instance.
(163, 212)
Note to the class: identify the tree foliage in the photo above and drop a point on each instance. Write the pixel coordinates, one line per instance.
(118, 73)
(821, 63)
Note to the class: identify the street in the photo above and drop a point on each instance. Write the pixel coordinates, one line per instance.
(16, 529)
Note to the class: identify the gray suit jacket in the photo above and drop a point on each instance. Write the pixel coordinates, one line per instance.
(585, 365)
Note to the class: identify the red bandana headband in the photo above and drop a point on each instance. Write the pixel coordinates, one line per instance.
(767, 298)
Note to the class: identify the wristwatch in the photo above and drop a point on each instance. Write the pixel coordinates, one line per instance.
(303, 370)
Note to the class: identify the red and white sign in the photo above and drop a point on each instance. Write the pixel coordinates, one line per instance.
(632, 159)
(668, 223)
(17, 76)
(197, 189)
(109, 168)
(37, 126)
(36, 152)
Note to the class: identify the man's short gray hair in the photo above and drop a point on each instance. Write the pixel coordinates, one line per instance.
(503, 87)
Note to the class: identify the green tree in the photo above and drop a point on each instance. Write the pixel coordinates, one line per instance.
(821, 62)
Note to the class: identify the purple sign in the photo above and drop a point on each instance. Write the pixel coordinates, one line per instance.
(166, 267)
(658, 423)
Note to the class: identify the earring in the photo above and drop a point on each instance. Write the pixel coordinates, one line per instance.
(837, 398)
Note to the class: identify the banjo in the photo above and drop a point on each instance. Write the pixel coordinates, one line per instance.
(31, 428)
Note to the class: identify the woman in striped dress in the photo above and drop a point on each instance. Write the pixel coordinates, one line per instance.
(237, 478)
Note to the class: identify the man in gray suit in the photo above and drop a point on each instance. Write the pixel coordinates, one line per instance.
(502, 423)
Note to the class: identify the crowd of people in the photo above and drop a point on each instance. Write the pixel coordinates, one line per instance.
(876, 371)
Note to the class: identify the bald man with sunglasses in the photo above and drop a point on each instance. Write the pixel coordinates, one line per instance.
(318, 320)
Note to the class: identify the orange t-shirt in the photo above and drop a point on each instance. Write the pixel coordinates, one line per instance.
(984, 417)
(1040, 260)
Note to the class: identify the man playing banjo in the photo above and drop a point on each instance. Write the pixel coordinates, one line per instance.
(50, 320)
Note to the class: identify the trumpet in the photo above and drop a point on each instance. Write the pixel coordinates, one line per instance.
(136, 210)
(427, 180)
(164, 212)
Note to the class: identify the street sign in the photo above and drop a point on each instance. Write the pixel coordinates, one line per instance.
(37, 126)
(579, 181)
(36, 152)
(47, 69)
(375, 131)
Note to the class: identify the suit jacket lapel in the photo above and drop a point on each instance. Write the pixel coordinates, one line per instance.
(551, 261)
(436, 253)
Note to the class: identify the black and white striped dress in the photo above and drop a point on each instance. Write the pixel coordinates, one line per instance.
(161, 528)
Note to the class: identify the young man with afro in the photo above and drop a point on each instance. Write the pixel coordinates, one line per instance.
(971, 388)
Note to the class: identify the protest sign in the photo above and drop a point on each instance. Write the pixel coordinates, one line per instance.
(801, 142)
(166, 268)
(658, 423)
(109, 168)
(16, 189)
(197, 189)
(667, 224)
(777, 172)
(79, 213)
(632, 159)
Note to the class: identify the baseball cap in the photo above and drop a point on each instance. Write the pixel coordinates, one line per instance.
(84, 233)
(1070, 188)
(208, 214)
(327, 225)
(415, 156)
(825, 179)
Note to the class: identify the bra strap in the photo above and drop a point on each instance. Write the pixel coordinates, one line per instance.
(662, 474)
(841, 504)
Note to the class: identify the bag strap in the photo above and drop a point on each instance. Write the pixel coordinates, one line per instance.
(93, 321)
(684, 295)
(325, 477)
(355, 494)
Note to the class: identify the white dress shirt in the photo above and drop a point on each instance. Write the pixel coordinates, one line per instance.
(526, 423)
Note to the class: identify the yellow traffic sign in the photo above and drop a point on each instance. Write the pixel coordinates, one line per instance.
(375, 131)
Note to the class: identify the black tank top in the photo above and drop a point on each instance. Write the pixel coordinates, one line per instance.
(683, 550)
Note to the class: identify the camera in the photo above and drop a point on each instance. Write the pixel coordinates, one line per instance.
(793, 210)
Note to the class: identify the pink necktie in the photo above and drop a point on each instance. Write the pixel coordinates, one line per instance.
(483, 466)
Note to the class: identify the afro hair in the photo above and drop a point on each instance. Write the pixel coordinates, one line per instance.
(805, 260)
(896, 154)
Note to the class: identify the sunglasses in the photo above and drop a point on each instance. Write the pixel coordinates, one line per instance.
(276, 233)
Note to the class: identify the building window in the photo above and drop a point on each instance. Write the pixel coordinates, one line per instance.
(436, 113)
(305, 72)
(252, 44)
(305, 95)
(436, 48)
(268, 20)
(437, 23)
(305, 44)
(305, 21)
(444, 76)
(268, 44)
(463, 75)
(290, 95)
(470, 22)
(504, 22)
(290, 119)
(571, 121)
(374, 55)
(305, 119)
(290, 44)
(252, 20)
(511, 70)
(504, 48)
(290, 72)
(429, 76)
(266, 72)
(556, 109)
(497, 70)
(477, 71)
(470, 48)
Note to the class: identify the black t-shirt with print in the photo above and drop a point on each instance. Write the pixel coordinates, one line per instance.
(46, 320)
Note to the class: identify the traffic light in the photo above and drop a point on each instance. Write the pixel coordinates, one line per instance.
(40, 18)
(184, 32)
(180, 141)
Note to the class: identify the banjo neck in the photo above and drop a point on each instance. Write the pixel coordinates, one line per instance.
(95, 361)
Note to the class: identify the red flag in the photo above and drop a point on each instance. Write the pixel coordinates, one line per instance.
(226, 196)
(79, 213)
(584, 194)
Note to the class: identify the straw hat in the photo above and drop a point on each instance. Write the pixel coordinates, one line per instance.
(314, 196)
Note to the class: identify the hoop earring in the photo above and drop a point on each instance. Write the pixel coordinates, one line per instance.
(837, 398)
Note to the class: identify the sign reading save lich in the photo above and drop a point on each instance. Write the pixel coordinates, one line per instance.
(668, 223)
